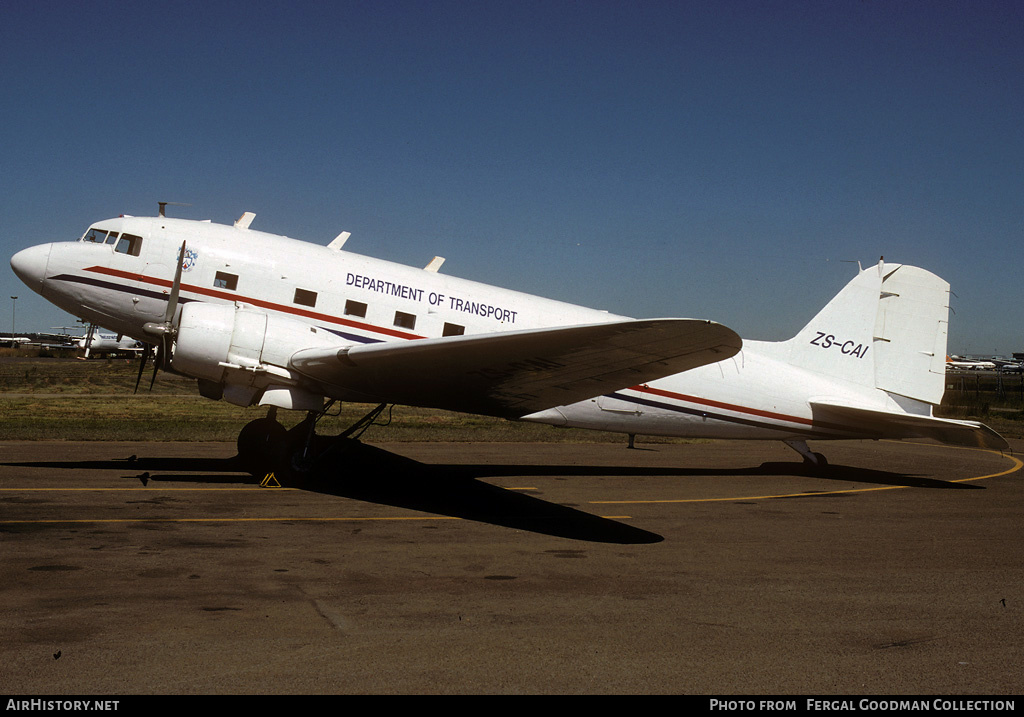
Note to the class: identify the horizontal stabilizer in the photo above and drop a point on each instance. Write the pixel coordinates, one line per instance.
(892, 424)
(511, 374)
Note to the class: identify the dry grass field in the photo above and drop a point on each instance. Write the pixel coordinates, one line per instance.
(74, 399)
(66, 398)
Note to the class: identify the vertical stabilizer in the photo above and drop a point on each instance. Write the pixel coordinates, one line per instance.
(885, 330)
(839, 341)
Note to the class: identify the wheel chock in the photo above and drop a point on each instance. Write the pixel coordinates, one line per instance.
(270, 481)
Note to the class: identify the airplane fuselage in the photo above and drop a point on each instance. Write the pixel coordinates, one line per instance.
(285, 276)
(120, 276)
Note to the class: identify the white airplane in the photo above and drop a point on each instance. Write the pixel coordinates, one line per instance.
(968, 364)
(261, 319)
(1004, 365)
(95, 341)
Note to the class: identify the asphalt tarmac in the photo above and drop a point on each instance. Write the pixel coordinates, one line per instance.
(716, 568)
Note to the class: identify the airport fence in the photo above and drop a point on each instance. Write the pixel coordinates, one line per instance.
(980, 392)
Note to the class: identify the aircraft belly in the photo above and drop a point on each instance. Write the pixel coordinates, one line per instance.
(677, 419)
(750, 397)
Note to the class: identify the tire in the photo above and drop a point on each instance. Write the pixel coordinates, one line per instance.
(260, 444)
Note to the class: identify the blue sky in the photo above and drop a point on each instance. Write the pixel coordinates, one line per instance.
(724, 160)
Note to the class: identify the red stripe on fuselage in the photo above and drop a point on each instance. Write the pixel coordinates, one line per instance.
(726, 406)
(228, 296)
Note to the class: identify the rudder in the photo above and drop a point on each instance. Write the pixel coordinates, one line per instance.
(910, 334)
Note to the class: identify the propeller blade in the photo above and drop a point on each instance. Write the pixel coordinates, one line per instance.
(165, 330)
(142, 366)
(172, 301)
(88, 339)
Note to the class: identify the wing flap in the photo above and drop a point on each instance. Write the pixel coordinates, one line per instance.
(511, 374)
(891, 424)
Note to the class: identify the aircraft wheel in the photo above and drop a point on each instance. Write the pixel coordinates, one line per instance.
(259, 444)
(815, 462)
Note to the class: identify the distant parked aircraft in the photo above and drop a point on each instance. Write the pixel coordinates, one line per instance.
(95, 341)
(958, 362)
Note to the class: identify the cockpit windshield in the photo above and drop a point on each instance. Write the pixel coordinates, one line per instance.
(99, 236)
(122, 243)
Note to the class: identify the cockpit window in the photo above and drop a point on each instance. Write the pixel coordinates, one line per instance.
(95, 235)
(123, 243)
(129, 244)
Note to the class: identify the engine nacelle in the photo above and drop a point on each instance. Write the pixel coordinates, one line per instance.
(244, 350)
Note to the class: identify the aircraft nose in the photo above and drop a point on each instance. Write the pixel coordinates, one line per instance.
(30, 265)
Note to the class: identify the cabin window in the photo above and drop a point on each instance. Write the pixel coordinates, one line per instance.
(129, 244)
(97, 236)
(453, 330)
(305, 297)
(224, 280)
(404, 320)
(355, 308)
(112, 238)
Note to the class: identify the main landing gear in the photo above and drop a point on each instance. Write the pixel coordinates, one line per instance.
(265, 446)
(811, 459)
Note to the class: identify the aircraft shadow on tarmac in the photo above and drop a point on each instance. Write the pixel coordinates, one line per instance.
(377, 476)
(367, 473)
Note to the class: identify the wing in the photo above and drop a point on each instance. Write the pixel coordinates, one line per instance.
(515, 373)
(889, 424)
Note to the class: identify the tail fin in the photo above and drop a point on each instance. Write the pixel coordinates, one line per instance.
(886, 329)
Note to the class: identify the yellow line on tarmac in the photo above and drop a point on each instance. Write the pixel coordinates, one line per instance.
(1017, 464)
(1016, 467)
